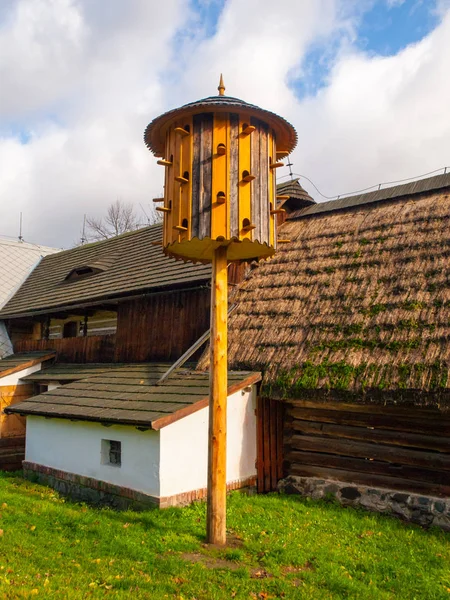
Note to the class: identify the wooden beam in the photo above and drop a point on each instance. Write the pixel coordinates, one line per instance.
(217, 442)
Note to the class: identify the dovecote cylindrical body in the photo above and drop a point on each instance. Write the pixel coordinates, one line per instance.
(220, 157)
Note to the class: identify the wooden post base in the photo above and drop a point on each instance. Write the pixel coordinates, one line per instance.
(217, 442)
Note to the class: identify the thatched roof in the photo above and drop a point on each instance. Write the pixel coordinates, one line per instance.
(358, 302)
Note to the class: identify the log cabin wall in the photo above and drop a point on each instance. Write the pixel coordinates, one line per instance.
(401, 448)
(161, 327)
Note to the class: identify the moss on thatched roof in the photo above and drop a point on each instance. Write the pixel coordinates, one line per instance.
(358, 302)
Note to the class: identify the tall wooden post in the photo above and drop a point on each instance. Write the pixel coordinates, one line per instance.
(217, 441)
(220, 156)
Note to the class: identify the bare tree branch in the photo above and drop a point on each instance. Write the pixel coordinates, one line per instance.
(120, 218)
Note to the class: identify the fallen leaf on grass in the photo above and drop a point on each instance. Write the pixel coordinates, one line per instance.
(365, 534)
(1, 532)
(260, 574)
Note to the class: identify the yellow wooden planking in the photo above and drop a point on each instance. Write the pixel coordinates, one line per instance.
(186, 189)
(219, 216)
(245, 189)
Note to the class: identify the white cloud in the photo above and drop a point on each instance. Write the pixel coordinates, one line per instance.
(380, 118)
(82, 81)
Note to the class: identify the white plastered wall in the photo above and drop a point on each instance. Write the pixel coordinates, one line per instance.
(15, 378)
(76, 447)
(184, 446)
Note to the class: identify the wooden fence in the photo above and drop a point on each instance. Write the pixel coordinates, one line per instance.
(95, 348)
(399, 448)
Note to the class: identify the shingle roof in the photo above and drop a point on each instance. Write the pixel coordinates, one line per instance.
(155, 141)
(421, 186)
(127, 394)
(298, 197)
(132, 264)
(68, 372)
(22, 360)
(17, 260)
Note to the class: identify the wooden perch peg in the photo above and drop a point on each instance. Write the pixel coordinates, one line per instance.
(277, 211)
(221, 198)
(248, 227)
(158, 199)
(276, 165)
(164, 163)
(221, 149)
(163, 209)
(282, 153)
(283, 197)
(248, 129)
(181, 179)
(283, 241)
(181, 131)
(247, 177)
(180, 228)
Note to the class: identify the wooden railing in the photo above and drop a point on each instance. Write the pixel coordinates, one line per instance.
(96, 348)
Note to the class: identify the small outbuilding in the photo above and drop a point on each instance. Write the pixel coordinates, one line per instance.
(110, 433)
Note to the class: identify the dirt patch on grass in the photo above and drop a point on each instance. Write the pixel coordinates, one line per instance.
(308, 566)
(210, 562)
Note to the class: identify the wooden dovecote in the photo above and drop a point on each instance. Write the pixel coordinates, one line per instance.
(220, 155)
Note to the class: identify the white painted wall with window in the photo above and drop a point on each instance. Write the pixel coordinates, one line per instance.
(159, 463)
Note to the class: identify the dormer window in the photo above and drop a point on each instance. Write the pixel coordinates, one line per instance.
(82, 272)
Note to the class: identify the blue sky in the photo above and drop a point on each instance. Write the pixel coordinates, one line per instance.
(365, 83)
(379, 28)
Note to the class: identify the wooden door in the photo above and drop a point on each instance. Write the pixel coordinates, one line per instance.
(270, 425)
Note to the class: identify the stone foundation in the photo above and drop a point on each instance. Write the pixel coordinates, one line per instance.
(94, 491)
(423, 510)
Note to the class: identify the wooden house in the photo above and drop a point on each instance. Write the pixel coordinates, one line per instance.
(349, 324)
(94, 328)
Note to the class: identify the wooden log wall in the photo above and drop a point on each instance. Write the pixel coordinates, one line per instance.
(161, 327)
(96, 348)
(12, 453)
(404, 448)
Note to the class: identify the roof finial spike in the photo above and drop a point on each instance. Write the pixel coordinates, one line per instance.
(221, 87)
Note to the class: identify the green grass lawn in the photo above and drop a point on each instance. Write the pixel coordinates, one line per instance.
(280, 547)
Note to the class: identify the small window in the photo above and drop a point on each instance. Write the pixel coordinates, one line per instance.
(70, 329)
(112, 453)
